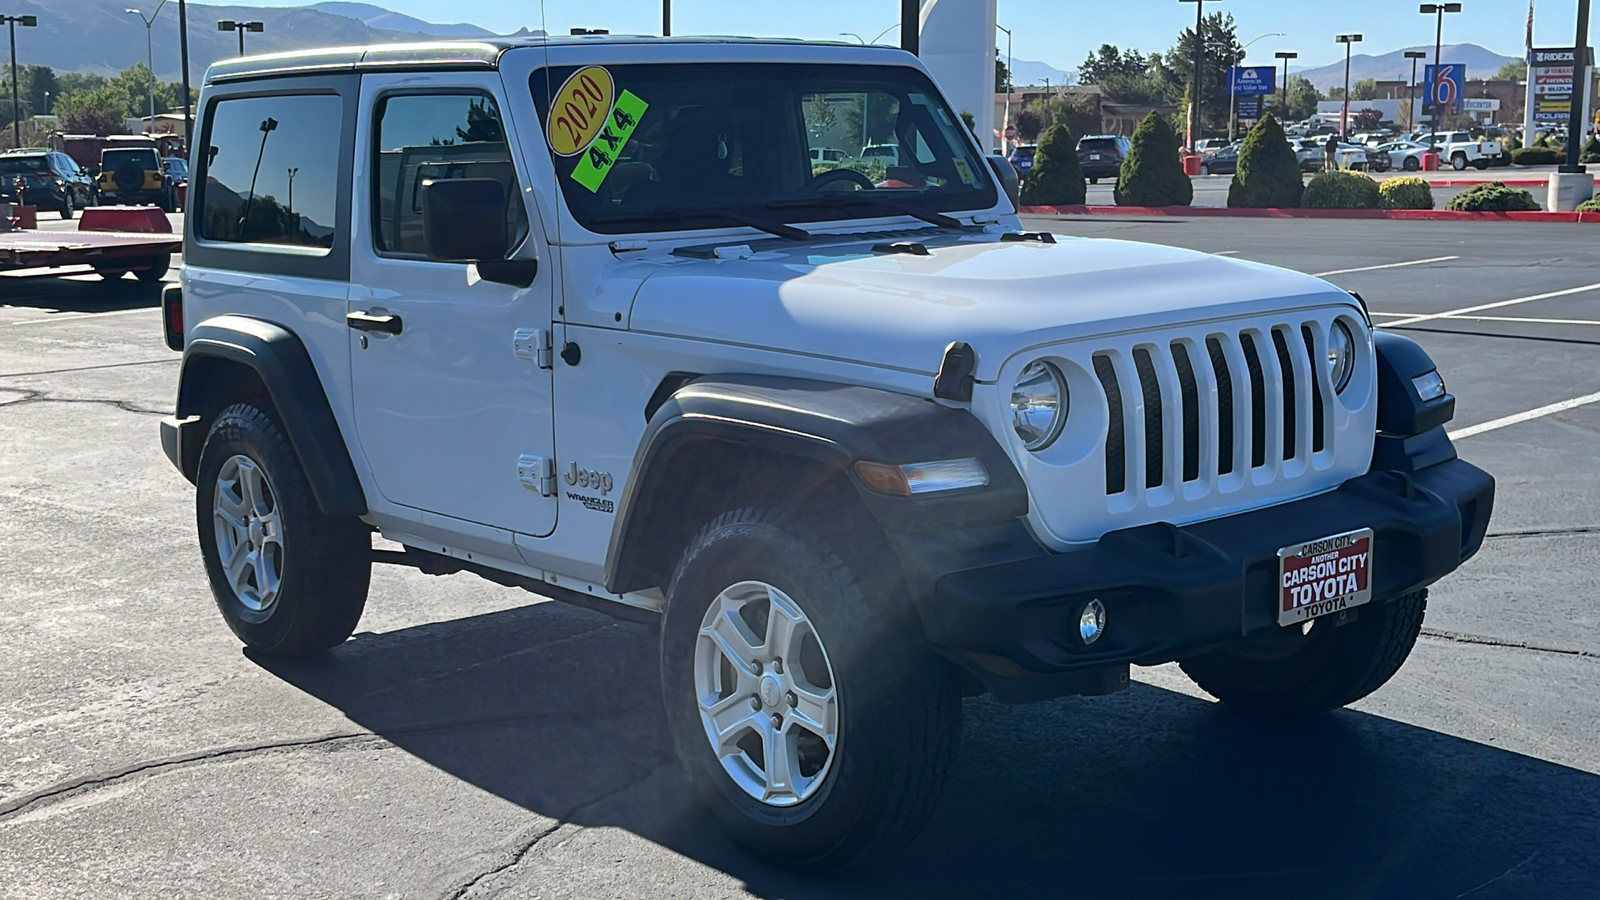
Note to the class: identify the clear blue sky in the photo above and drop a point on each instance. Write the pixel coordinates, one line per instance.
(1058, 32)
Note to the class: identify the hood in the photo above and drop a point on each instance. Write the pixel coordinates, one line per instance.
(901, 311)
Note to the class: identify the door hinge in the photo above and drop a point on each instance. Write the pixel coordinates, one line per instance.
(537, 473)
(533, 345)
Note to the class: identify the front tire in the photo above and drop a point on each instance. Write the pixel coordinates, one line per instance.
(813, 721)
(288, 580)
(1412, 164)
(1294, 673)
(1458, 162)
(66, 206)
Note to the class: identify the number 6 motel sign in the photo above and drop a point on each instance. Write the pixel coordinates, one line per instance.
(1446, 85)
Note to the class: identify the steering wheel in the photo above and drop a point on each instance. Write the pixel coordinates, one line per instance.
(820, 182)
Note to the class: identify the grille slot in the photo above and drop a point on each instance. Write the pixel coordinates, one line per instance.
(1219, 365)
(1154, 437)
(1286, 366)
(1116, 435)
(1258, 402)
(1190, 397)
(1319, 435)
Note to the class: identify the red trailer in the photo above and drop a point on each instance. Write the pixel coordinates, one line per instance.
(141, 245)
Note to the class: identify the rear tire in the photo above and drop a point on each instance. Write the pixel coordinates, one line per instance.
(1094, 181)
(1481, 164)
(294, 581)
(66, 206)
(1412, 164)
(159, 266)
(1292, 675)
(893, 707)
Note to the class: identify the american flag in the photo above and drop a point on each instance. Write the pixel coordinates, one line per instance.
(1530, 31)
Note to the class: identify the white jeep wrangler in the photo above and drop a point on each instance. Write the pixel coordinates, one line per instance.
(579, 316)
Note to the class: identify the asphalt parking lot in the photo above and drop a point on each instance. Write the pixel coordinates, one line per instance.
(473, 741)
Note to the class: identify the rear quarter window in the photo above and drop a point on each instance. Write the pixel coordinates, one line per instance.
(270, 169)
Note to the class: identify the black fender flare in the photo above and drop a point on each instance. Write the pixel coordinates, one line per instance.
(834, 425)
(289, 378)
(1401, 409)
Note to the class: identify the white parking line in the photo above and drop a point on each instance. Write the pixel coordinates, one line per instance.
(1531, 414)
(1496, 305)
(1517, 319)
(1398, 265)
(70, 316)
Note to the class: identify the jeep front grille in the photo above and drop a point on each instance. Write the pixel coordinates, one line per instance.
(1246, 404)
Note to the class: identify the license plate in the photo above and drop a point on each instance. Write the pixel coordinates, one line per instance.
(1094, 156)
(1325, 576)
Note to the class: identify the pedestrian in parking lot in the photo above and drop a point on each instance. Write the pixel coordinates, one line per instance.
(1331, 163)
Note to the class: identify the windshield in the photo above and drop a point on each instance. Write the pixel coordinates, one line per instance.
(652, 147)
(23, 165)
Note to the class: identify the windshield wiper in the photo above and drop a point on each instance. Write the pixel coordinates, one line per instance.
(864, 198)
(788, 232)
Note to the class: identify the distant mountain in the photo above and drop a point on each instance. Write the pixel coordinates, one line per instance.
(1028, 73)
(1480, 63)
(98, 36)
(383, 19)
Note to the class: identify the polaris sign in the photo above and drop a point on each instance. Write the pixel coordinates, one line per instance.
(1251, 80)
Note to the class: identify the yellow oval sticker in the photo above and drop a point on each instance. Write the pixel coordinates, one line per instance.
(579, 111)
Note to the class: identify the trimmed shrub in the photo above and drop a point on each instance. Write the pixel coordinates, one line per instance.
(1341, 190)
(1590, 205)
(1493, 196)
(1152, 172)
(1056, 178)
(1268, 176)
(1408, 192)
(1533, 156)
(1591, 151)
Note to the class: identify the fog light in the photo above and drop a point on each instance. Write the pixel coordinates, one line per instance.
(1092, 621)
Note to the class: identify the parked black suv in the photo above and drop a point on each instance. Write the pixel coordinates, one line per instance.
(1100, 155)
(135, 175)
(49, 180)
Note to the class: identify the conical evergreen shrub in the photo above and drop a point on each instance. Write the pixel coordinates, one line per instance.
(1056, 178)
(1268, 176)
(1591, 151)
(1152, 172)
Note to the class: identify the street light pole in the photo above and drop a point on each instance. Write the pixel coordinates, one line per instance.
(1437, 9)
(1349, 41)
(16, 102)
(1285, 56)
(1577, 115)
(1007, 125)
(241, 28)
(150, 55)
(183, 60)
(666, 18)
(1411, 92)
(1199, 69)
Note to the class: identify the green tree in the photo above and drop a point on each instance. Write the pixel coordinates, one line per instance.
(1268, 176)
(1109, 62)
(1303, 99)
(880, 111)
(1029, 124)
(1152, 173)
(1514, 70)
(1365, 89)
(1056, 178)
(1219, 37)
(1073, 112)
(1002, 75)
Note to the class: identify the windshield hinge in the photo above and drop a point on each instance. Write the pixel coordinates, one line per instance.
(985, 218)
(629, 246)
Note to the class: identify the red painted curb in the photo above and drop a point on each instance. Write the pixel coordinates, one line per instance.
(1218, 212)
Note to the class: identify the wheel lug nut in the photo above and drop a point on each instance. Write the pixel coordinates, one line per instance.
(777, 666)
(777, 721)
(755, 702)
(755, 667)
(793, 700)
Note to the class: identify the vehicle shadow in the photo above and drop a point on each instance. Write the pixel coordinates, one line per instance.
(1147, 793)
(78, 295)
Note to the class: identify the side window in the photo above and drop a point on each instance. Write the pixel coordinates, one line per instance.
(435, 137)
(270, 170)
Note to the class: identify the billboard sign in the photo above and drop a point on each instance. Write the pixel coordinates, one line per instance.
(1552, 74)
(1253, 80)
(1446, 86)
(1250, 111)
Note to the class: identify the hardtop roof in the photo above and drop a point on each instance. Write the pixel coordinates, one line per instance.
(451, 54)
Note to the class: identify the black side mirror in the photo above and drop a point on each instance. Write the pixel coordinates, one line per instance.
(464, 220)
(1007, 173)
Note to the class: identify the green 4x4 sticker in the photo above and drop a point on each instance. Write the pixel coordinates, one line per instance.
(595, 163)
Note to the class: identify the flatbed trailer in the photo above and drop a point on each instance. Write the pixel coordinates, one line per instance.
(110, 253)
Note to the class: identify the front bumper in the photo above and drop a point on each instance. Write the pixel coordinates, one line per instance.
(1171, 593)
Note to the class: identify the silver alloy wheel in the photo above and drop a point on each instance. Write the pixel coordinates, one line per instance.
(249, 532)
(766, 693)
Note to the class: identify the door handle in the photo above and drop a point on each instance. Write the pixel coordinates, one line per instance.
(361, 321)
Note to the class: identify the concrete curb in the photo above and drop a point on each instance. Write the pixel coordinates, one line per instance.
(1409, 215)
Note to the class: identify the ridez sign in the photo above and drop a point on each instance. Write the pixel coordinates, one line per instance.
(1551, 74)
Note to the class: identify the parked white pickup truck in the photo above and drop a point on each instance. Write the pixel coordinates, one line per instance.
(1459, 149)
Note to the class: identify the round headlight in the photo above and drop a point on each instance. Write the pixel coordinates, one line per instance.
(1039, 405)
(1341, 356)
